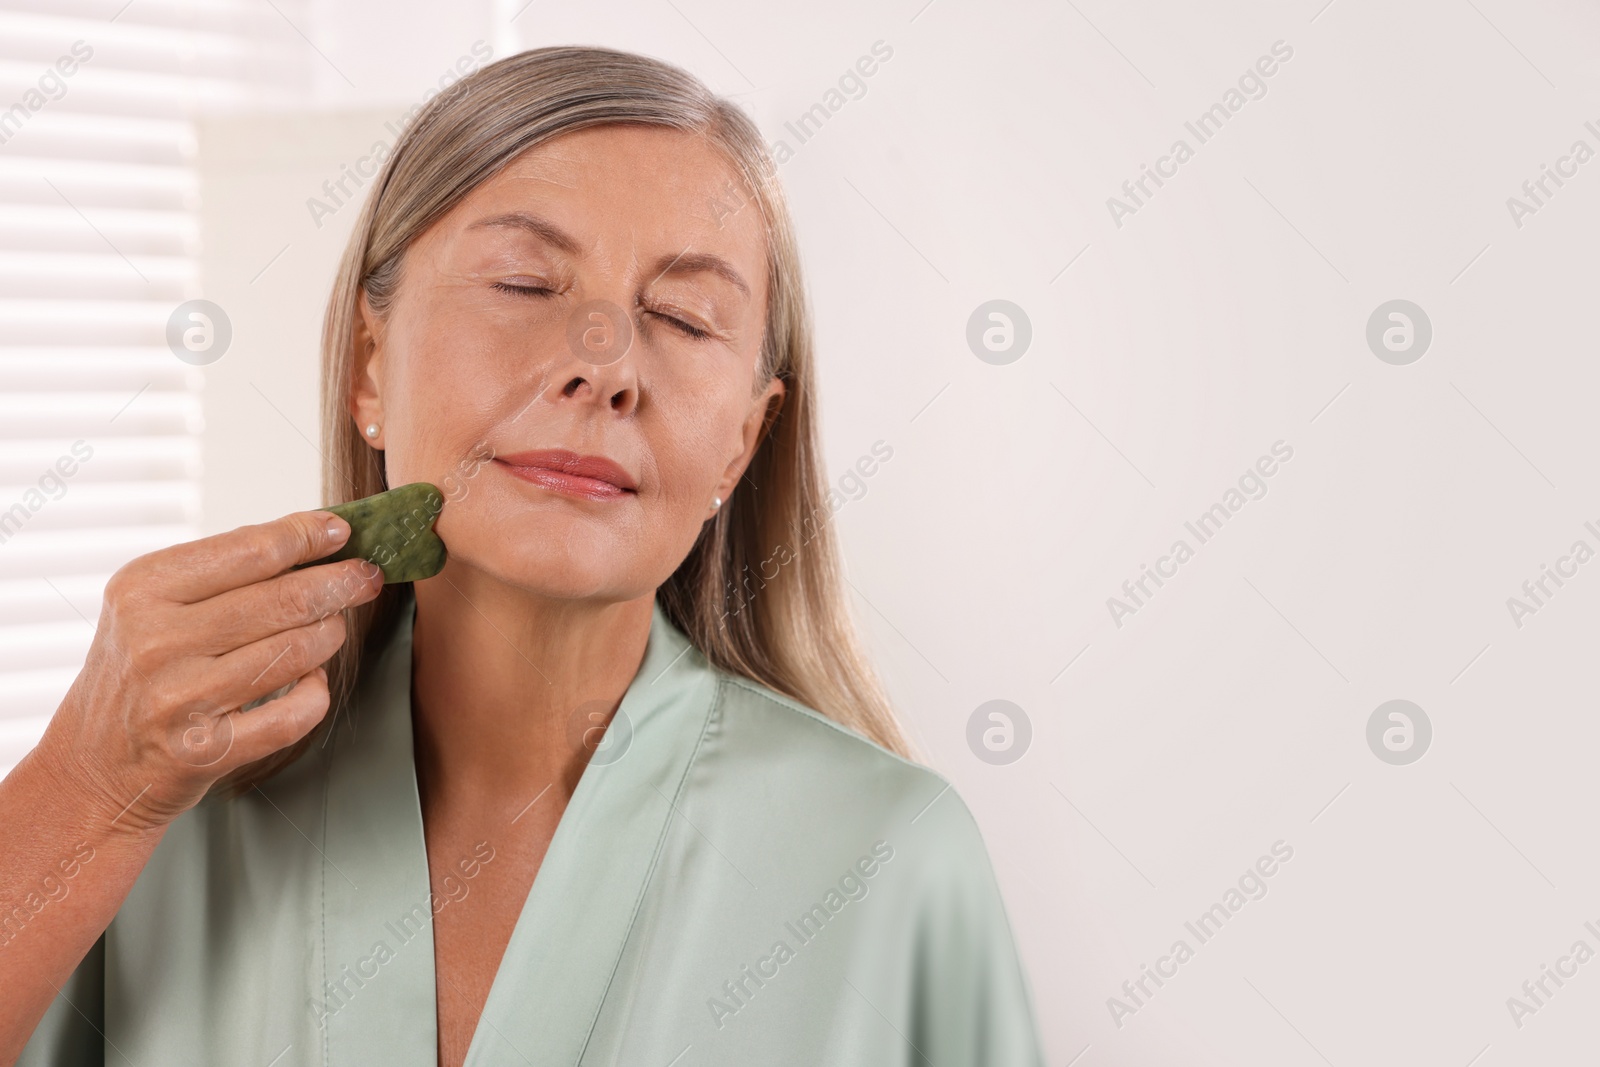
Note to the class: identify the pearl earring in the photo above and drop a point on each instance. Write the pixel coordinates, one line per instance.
(372, 429)
(716, 502)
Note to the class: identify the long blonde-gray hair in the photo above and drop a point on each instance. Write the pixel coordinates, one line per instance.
(792, 631)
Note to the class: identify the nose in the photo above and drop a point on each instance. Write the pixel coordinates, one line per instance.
(600, 367)
(614, 385)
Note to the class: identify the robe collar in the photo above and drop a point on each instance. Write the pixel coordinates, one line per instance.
(377, 943)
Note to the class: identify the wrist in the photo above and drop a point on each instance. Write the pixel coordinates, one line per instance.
(85, 794)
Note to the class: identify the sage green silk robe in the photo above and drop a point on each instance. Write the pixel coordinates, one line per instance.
(736, 880)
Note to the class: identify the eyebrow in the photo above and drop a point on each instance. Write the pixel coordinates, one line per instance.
(541, 228)
(685, 262)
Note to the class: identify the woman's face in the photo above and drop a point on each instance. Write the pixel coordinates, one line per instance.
(510, 334)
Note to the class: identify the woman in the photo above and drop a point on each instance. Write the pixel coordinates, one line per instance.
(617, 785)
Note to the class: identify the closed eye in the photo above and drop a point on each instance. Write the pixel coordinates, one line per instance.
(523, 290)
(686, 328)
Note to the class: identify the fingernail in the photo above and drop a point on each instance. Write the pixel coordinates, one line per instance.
(338, 530)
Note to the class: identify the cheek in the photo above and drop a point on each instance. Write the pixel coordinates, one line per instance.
(694, 444)
(447, 387)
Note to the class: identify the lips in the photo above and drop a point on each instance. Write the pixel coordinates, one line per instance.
(595, 477)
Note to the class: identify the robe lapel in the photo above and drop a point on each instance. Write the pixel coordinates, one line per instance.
(377, 928)
(571, 931)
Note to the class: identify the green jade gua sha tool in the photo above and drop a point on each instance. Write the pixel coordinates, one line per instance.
(394, 530)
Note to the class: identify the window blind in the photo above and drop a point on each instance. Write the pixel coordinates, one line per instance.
(99, 242)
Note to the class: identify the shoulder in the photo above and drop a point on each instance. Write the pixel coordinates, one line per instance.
(817, 774)
(772, 732)
(820, 807)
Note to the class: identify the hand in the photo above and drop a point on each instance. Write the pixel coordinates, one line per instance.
(189, 634)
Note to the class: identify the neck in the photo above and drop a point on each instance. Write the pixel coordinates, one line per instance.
(505, 683)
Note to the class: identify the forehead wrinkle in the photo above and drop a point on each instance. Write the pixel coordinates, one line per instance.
(533, 167)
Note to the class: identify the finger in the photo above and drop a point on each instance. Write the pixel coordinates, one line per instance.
(271, 663)
(196, 570)
(279, 723)
(240, 617)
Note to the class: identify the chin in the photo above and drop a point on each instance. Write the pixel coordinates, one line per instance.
(561, 567)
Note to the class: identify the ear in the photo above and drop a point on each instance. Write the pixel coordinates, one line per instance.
(764, 411)
(366, 397)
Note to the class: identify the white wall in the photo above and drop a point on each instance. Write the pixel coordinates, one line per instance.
(269, 263)
(1228, 313)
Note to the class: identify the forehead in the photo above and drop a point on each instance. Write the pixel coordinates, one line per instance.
(630, 189)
